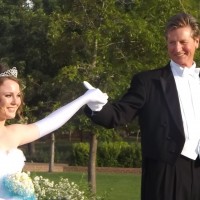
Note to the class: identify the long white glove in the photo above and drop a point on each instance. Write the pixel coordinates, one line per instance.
(94, 106)
(59, 117)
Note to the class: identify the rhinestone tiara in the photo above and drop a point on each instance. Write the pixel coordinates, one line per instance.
(10, 72)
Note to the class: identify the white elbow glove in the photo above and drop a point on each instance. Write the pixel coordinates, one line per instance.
(59, 117)
(94, 106)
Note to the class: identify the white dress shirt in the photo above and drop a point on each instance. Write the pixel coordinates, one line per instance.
(188, 86)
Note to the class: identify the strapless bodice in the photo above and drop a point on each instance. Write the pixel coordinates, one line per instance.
(10, 163)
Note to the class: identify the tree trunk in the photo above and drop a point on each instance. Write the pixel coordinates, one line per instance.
(31, 149)
(52, 153)
(93, 138)
(92, 163)
(70, 136)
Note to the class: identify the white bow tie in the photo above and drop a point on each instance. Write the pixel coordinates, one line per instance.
(187, 72)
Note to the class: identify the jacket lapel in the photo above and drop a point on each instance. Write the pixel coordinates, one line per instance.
(171, 95)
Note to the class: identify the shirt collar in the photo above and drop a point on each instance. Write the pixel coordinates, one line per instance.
(181, 71)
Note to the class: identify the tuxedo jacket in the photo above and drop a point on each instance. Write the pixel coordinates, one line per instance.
(153, 97)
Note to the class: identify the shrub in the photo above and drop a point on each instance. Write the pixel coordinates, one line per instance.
(80, 154)
(108, 153)
(130, 156)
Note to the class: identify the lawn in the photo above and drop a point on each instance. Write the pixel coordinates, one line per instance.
(117, 186)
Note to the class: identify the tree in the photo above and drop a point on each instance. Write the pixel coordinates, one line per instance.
(58, 44)
(106, 43)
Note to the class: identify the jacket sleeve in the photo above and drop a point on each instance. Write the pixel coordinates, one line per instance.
(124, 110)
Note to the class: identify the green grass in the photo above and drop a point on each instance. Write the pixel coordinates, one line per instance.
(117, 186)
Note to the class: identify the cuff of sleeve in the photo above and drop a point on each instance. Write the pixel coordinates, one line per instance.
(89, 112)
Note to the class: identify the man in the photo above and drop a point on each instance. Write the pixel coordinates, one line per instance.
(167, 102)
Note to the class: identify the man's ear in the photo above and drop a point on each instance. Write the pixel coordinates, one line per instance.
(197, 42)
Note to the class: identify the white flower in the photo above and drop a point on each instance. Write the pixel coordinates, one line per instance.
(20, 184)
(63, 190)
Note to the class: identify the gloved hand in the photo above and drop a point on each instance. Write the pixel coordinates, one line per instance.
(102, 98)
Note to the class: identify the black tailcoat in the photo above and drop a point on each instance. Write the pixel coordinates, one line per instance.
(153, 97)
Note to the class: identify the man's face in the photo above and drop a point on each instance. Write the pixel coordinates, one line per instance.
(181, 46)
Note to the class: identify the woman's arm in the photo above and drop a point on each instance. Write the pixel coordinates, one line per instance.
(58, 118)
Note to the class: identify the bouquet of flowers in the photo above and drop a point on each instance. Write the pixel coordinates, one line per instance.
(20, 185)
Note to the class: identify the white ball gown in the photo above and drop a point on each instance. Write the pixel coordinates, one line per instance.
(11, 162)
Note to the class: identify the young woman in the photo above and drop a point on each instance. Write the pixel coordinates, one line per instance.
(12, 136)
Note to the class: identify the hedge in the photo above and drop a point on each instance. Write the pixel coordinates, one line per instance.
(109, 154)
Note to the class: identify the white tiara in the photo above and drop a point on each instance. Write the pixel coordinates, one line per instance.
(10, 72)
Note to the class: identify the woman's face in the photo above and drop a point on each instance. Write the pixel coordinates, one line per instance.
(10, 99)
